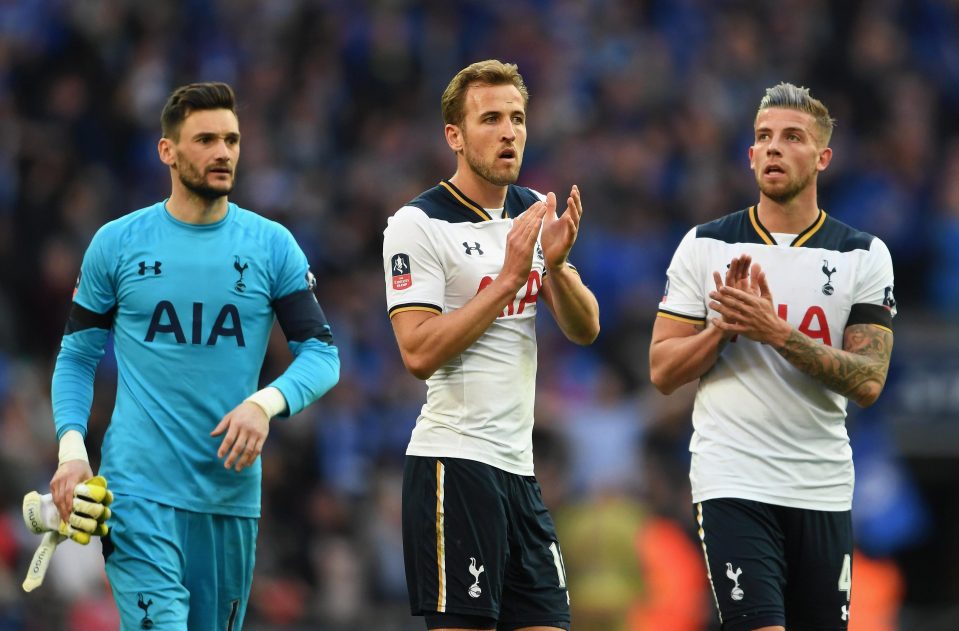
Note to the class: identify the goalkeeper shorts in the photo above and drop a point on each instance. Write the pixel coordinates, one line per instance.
(176, 569)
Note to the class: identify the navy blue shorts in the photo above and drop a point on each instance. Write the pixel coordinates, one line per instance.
(774, 565)
(479, 544)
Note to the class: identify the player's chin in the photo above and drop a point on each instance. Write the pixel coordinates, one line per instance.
(781, 192)
(507, 175)
(217, 181)
(219, 189)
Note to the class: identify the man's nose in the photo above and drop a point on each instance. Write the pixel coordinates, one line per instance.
(221, 150)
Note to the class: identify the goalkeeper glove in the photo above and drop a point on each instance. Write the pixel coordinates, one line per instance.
(91, 501)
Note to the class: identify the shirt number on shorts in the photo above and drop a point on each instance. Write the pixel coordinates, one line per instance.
(845, 576)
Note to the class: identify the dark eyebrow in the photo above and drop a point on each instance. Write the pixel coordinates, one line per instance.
(209, 134)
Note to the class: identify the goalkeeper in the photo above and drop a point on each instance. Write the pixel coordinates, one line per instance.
(189, 288)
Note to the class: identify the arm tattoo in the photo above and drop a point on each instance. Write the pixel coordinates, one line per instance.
(857, 371)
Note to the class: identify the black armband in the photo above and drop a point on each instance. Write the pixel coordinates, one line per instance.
(81, 319)
(862, 313)
(301, 317)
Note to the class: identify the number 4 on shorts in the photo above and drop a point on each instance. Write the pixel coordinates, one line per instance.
(845, 576)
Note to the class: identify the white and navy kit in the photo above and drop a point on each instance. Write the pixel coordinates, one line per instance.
(439, 251)
(479, 544)
(762, 429)
(771, 472)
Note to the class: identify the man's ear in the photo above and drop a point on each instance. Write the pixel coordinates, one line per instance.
(825, 157)
(454, 137)
(167, 151)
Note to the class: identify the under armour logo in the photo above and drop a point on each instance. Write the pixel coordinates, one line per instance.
(737, 592)
(845, 612)
(240, 285)
(144, 267)
(146, 622)
(474, 590)
(473, 248)
(827, 288)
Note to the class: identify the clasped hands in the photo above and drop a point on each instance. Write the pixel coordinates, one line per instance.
(745, 304)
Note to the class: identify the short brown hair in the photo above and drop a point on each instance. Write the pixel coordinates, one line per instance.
(189, 98)
(788, 96)
(488, 72)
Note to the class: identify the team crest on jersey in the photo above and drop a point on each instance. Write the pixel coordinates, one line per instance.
(400, 266)
(240, 267)
(828, 289)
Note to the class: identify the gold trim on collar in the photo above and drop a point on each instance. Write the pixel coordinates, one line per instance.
(800, 239)
(758, 227)
(806, 234)
(463, 200)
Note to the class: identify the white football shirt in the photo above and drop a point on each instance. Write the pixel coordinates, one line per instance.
(438, 252)
(762, 429)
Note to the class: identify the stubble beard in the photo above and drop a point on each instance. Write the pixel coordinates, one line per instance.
(195, 182)
(789, 192)
(486, 171)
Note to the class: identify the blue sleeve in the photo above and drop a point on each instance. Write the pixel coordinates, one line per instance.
(316, 364)
(314, 370)
(84, 339)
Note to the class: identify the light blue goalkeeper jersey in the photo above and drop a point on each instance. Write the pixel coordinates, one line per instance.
(191, 308)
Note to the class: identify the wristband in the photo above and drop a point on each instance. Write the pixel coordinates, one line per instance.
(269, 399)
(72, 447)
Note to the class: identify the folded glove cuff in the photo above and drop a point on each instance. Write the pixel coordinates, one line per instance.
(72, 447)
(269, 399)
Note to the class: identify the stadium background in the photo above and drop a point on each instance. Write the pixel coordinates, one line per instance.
(648, 106)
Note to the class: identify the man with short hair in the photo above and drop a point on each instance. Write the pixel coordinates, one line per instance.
(190, 288)
(466, 264)
(771, 470)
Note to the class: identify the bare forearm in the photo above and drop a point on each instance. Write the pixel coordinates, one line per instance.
(678, 360)
(574, 305)
(858, 371)
(437, 340)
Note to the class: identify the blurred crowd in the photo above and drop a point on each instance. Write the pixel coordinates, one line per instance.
(647, 105)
